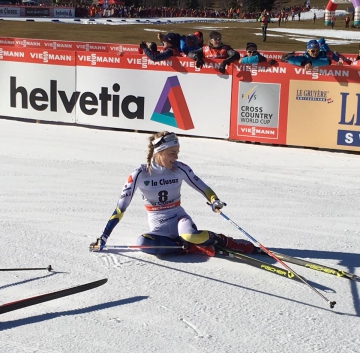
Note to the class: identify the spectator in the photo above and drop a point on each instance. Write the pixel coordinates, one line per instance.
(314, 18)
(216, 49)
(188, 43)
(264, 20)
(171, 48)
(253, 56)
(160, 183)
(347, 21)
(313, 56)
(333, 55)
(356, 62)
(332, 21)
(200, 37)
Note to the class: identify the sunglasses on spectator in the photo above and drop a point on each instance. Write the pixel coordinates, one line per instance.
(314, 50)
(217, 38)
(251, 51)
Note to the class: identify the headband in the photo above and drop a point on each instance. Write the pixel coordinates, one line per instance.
(164, 142)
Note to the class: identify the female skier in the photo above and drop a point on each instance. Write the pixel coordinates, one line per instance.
(160, 182)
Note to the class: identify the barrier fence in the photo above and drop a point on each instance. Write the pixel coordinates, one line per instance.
(280, 104)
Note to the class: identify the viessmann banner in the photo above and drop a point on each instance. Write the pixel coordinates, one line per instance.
(280, 104)
(125, 92)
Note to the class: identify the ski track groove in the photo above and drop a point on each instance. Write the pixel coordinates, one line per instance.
(113, 261)
(186, 322)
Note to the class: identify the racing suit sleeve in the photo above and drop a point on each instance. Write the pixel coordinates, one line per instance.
(125, 198)
(196, 183)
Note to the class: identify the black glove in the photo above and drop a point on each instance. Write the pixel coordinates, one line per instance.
(143, 45)
(222, 67)
(199, 63)
(272, 62)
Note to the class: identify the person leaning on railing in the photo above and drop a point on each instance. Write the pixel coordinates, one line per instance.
(314, 56)
(215, 49)
(171, 42)
(253, 56)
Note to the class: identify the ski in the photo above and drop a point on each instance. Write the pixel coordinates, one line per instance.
(23, 303)
(257, 263)
(315, 266)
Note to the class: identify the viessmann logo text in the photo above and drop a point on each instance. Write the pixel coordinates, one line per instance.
(107, 102)
(44, 56)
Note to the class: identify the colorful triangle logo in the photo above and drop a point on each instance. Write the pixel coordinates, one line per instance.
(173, 97)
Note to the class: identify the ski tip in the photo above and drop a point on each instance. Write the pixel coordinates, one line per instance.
(332, 305)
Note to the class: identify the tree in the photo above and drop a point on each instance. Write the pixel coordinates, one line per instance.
(192, 4)
(259, 5)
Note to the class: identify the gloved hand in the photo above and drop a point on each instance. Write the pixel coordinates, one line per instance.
(272, 62)
(217, 205)
(99, 244)
(222, 67)
(143, 45)
(199, 63)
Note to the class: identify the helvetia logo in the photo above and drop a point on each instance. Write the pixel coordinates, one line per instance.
(106, 103)
(172, 97)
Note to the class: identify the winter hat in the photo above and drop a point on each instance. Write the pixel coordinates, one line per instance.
(171, 38)
(313, 44)
(193, 40)
(199, 35)
(214, 34)
(251, 45)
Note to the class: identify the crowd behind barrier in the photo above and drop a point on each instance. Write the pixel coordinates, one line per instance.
(257, 103)
(121, 11)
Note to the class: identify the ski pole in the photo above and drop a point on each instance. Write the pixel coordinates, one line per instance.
(49, 268)
(139, 247)
(332, 304)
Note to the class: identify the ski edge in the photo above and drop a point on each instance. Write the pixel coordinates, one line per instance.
(23, 303)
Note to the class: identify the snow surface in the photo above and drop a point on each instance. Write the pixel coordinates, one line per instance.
(59, 186)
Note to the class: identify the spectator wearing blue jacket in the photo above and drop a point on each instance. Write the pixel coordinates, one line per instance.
(189, 43)
(253, 56)
(333, 55)
(314, 56)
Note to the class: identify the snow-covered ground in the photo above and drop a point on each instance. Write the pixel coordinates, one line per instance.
(59, 186)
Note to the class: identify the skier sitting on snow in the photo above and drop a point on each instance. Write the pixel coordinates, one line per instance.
(160, 182)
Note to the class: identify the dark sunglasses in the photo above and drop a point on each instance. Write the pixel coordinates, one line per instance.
(251, 51)
(217, 38)
(314, 50)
